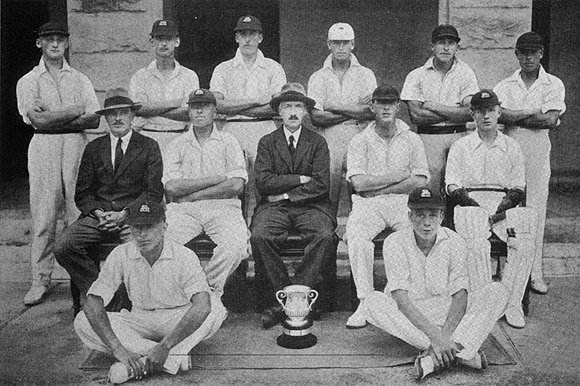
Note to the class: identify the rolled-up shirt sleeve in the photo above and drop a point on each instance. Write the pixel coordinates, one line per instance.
(356, 158)
(110, 277)
(26, 94)
(235, 161)
(316, 90)
(453, 175)
(194, 279)
(419, 166)
(396, 264)
(554, 99)
(412, 87)
(172, 160)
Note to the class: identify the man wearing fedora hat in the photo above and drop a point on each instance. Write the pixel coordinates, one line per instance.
(59, 103)
(437, 95)
(204, 173)
(173, 307)
(428, 301)
(341, 89)
(292, 177)
(385, 162)
(244, 86)
(117, 170)
(532, 102)
(162, 87)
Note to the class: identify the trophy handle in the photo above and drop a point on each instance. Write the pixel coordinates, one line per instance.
(280, 295)
(312, 295)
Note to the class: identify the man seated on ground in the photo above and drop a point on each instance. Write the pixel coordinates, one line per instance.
(173, 306)
(486, 169)
(204, 174)
(427, 301)
(292, 177)
(117, 170)
(385, 162)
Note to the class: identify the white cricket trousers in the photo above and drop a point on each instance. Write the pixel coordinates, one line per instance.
(140, 330)
(485, 307)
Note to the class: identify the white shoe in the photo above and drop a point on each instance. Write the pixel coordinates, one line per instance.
(359, 318)
(514, 316)
(539, 286)
(186, 364)
(35, 294)
(423, 366)
(119, 373)
(479, 361)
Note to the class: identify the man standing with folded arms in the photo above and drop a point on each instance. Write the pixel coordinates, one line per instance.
(342, 89)
(437, 95)
(244, 86)
(59, 103)
(162, 88)
(532, 102)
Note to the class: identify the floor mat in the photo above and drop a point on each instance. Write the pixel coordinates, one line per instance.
(242, 344)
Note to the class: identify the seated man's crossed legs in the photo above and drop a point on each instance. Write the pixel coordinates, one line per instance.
(270, 229)
(223, 224)
(485, 307)
(369, 217)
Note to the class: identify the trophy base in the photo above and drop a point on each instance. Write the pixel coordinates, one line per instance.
(296, 337)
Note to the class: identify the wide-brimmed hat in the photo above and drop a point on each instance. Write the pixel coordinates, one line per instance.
(291, 92)
(425, 198)
(117, 98)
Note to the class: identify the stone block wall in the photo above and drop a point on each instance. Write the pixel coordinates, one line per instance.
(488, 31)
(109, 40)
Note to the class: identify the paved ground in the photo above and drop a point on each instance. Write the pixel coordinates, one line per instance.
(38, 345)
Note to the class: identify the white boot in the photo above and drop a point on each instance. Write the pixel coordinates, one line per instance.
(471, 222)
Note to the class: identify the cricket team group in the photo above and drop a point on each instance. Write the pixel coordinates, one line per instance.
(177, 158)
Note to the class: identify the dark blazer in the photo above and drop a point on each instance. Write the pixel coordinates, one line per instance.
(276, 173)
(138, 178)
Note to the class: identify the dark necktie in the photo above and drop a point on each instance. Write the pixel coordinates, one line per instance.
(291, 146)
(118, 154)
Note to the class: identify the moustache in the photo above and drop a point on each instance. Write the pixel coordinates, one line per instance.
(293, 117)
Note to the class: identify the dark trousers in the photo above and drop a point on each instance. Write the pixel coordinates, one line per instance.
(270, 229)
(71, 251)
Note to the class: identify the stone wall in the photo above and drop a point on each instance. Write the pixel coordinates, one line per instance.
(488, 31)
(109, 39)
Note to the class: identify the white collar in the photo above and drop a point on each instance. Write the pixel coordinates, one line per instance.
(295, 134)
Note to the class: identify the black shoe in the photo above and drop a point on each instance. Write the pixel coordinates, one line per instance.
(272, 316)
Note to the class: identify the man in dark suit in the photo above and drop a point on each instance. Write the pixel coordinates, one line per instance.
(117, 171)
(292, 177)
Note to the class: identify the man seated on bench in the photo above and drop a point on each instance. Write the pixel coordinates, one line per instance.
(485, 169)
(293, 179)
(205, 172)
(173, 306)
(385, 162)
(116, 171)
(427, 301)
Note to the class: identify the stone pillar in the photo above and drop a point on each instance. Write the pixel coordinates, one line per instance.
(109, 40)
(488, 31)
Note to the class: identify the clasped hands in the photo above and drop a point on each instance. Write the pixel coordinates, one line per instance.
(112, 221)
(443, 351)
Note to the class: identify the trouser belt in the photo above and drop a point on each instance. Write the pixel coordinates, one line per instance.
(53, 132)
(167, 131)
(441, 129)
(501, 190)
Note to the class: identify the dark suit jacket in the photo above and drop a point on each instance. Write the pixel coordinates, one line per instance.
(276, 173)
(138, 178)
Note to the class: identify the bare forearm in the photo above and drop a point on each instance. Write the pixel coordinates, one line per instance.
(182, 187)
(456, 312)
(421, 116)
(152, 109)
(54, 119)
(360, 112)
(85, 122)
(541, 121)
(224, 190)
(403, 187)
(366, 182)
(180, 114)
(97, 316)
(512, 117)
(191, 321)
(326, 118)
(237, 106)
